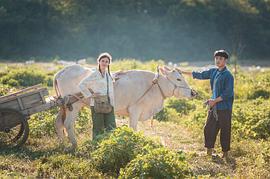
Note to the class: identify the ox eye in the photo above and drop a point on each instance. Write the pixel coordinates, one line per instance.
(178, 79)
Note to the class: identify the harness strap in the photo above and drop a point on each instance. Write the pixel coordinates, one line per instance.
(155, 82)
(161, 91)
(79, 99)
(144, 94)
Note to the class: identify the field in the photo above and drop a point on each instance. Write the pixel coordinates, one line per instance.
(171, 148)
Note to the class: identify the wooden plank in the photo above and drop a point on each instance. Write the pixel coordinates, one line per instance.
(17, 94)
(45, 92)
(31, 101)
(22, 91)
(13, 97)
(11, 104)
(42, 97)
(20, 104)
(48, 105)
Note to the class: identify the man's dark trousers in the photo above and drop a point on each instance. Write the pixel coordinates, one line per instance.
(213, 125)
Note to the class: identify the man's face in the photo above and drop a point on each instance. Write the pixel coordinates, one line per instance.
(220, 61)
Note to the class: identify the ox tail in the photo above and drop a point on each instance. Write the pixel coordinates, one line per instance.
(59, 123)
(61, 116)
(56, 88)
(58, 94)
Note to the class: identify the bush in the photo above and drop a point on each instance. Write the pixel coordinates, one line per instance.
(83, 124)
(66, 166)
(23, 77)
(251, 119)
(42, 124)
(182, 106)
(131, 64)
(167, 114)
(49, 81)
(266, 155)
(158, 163)
(5, 89)
(122, 146)
(259, 93)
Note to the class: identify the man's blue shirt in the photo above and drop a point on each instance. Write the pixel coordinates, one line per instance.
(222, 84)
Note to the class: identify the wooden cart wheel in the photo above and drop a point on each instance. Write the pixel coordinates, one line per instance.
(14, 128)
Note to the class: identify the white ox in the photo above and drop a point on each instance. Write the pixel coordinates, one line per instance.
(135, 93)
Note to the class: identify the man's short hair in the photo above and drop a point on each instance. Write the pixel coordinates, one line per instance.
(221, 53)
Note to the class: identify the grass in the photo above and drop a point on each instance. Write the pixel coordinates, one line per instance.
(250, 157)
(246, 155)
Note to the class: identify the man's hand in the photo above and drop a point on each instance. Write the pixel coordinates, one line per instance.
(185, 72)
(211, 102)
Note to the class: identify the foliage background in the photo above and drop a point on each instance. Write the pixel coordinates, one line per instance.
(155, 29)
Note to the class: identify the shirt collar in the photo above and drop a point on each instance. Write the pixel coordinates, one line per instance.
(224, 69)
(100, 72)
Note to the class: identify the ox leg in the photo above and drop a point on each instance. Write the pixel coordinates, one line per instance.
(71, 117)
(134, 116)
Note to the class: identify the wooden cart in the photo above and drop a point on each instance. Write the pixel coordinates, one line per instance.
(16, 108)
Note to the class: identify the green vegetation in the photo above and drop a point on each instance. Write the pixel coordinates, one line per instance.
(16, 76)
(122, 146)
(185, 29)
(175, 149)
(158, 163)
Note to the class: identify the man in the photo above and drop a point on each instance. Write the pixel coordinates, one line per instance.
(221, 102)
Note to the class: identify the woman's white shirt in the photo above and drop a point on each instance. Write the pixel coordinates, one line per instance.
(98, 84)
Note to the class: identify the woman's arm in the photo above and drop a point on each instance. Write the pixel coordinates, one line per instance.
(85, 86)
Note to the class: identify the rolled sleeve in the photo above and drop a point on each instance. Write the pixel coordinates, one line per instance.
(202, 75)
(84, 90)
(85, 84)
(228, 88)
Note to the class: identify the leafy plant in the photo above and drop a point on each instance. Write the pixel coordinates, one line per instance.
(158, 163)
(66, 166)
(122, 146)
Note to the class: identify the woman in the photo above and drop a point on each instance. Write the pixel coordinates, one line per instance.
(96, 84)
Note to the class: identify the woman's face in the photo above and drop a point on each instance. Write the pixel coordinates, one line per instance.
(104, 63)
